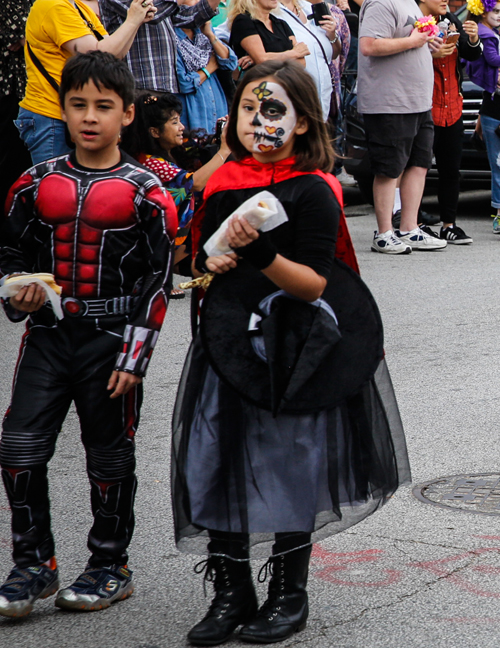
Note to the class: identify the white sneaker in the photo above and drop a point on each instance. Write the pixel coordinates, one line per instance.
(419, 240)
(345, 179)
(387, 243)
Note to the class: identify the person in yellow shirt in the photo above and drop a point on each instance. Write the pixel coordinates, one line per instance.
(55, 30)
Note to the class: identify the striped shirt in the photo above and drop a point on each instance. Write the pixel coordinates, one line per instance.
(152, 57)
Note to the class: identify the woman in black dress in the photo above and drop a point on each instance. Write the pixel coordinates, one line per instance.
(258, 35)
(246, 472)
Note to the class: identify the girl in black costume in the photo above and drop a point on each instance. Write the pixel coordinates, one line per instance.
(243, 475)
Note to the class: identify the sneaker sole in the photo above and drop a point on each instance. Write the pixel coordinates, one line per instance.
(85, 606)
(24, 608)
(406, 251)
(428, 249)
(463, 242)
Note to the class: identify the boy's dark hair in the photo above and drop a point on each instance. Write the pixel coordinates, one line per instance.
(103, 69)
(150, 112)
(313, 149)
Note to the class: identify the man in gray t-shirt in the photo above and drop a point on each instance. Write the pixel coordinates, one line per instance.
(395, 83)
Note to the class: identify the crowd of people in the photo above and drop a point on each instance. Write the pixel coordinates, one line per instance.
(153, 135)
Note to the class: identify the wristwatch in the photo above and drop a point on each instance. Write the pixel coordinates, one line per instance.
(335, 39)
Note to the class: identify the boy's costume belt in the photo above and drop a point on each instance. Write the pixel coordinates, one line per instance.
(74, 307)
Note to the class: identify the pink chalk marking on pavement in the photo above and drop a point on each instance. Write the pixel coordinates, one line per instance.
(336, 562)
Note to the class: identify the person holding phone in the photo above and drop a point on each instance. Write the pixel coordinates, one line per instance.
(459, 41)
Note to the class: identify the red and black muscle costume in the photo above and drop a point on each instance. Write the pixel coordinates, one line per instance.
(106, 235)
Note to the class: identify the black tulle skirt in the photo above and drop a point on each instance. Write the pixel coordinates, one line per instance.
(237, 469)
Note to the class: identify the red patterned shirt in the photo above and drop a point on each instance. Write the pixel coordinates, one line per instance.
(447, 100)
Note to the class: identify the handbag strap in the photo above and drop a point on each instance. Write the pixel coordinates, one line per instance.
(89, 24)
(38, 64)
(311, 32)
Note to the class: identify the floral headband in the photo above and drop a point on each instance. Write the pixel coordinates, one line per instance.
(478, 7)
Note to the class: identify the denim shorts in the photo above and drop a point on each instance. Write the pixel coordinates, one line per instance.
(44, 136)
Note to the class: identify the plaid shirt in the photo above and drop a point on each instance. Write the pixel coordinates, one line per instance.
(447, 100)
(13, 15)
(152, 58)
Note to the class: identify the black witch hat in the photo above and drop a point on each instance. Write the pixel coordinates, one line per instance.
(284, 354)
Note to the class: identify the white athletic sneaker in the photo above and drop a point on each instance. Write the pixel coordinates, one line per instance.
(387, 243)
(419, 240)
(345, 179)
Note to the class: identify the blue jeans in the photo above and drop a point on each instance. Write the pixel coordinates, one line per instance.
(492, 141)
(44, 136)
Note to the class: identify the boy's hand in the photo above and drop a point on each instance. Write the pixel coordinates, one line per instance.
(29, 299)
(122, 382)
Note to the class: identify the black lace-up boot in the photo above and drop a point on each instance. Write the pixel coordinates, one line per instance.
(286, 609)
(235, 602)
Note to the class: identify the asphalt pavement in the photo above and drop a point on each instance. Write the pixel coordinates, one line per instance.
(411, 576)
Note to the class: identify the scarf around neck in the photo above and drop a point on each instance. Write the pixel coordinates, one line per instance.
(196, 54)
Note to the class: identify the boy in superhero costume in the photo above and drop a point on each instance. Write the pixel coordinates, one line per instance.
(104, 226)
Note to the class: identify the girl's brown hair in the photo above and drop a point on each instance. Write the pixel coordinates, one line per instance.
(313, 150)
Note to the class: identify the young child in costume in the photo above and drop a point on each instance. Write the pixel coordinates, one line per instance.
(156, 131)
(104, 226)
(484, 72)
(262, 453)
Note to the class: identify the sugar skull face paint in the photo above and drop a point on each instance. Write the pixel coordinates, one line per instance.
(275, 118)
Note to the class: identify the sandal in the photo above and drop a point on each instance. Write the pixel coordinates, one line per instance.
(177, 293)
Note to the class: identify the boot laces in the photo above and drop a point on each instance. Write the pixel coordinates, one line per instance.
(272, 606)
(216, 572)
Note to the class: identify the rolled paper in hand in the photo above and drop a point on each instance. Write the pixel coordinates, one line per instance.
(263, 212)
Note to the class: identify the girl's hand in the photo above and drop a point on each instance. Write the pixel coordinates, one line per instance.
(29, 299)
(222, 263)
(470, 28)
(329, 24)
(224, 149)
(240, 232)
(343, 5)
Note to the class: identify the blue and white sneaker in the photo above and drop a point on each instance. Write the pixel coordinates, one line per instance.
(24, 586)
(496, 224)
(97, 588)
(387, 243)
(419, 240)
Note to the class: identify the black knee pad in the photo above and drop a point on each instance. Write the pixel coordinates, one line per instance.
(112, 464)
(20, 449)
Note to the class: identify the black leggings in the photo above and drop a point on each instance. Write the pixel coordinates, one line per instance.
(448, 142)
(236, 545)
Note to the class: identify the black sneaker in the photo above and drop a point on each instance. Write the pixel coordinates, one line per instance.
(425, 218)
(429, 231)
(24, 586)
(456, 235)
(97, 588)
(396, 220)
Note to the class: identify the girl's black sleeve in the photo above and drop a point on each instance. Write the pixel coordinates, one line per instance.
(317, 221)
